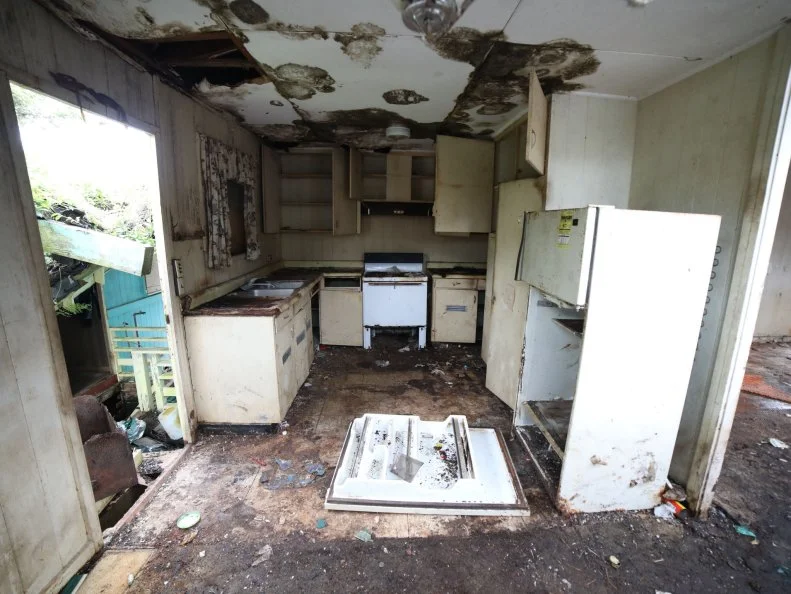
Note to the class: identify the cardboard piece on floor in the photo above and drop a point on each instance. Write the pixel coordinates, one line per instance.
(464, 471)
(111, 574)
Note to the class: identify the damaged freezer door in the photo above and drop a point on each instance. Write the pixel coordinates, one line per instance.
(400, 464)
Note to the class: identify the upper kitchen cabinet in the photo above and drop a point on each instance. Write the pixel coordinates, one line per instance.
(536, 129)
(464, 180)
(398, 176)
(313, 189)
(520, 150)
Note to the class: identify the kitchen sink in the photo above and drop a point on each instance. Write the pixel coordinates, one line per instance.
(256, 292)
(263, 283)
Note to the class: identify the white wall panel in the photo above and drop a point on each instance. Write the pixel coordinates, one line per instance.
(591, 143)
(774, 318)
(693, 153)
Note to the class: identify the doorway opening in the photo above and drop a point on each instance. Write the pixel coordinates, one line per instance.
(95, 188)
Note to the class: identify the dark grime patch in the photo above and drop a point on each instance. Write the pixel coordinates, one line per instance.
(362, 43)
(365, 128)
(284, 133)
(463, 44)
(295, 81)
(249, 12)
(403, 97)
(296, 31)
(276, 103)
(500, 83)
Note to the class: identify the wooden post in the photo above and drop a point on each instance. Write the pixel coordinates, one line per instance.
(142, 381)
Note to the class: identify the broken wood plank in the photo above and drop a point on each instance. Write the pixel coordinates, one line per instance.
(96, 247)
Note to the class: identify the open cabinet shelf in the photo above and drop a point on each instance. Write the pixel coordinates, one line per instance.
(574, 325)
(552, 419)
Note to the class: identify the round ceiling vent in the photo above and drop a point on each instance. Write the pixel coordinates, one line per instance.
(397, 131)
(431, 17)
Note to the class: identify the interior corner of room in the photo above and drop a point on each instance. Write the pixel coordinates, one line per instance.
(583, 260)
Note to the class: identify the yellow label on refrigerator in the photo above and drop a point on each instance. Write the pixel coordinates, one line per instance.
(564, 228)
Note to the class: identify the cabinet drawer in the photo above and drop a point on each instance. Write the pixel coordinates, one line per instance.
(459, 283)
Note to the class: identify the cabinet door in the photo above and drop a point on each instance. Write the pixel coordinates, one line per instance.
(303, 345)
(454, 316)
(271, 185)
(355, 174)
(286, 356)
(345, 212)
(536, 141)
(506, 328)
(399, 177)
(464, 185)
(341, 317)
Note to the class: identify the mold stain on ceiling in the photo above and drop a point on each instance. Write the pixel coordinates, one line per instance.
(465, 83)
(295, 71)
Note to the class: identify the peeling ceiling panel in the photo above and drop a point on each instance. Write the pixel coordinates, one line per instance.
(343, 70)
(256, 104)
(680, 28)
(634, 75)
(295, 15)
(365, 79)
(143, 19)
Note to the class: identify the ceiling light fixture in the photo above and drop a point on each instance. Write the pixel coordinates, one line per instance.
(430, 17)
(397, 131)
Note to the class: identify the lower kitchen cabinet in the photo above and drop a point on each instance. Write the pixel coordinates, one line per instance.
(247, 369)
(341, 310)
(454, 311)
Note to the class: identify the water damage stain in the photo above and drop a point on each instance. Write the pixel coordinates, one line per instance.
(295, 81)
(362, 43)
(500, 82)
(296, 31)
(365, 128)
(403, 97)
(249, 12)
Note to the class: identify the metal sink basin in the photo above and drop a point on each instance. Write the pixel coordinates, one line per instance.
(256, 292)
(263, 283)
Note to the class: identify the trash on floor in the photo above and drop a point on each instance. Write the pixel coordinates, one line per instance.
(380, 363)
(363, 535)
(405, 349)
(755, 384)
(263, 554)
(321, 523)
(188, 538)
(471, 473)
(744, 531)
(316, 468)
(778, 443)
(666, 511)
(287, 475)
(614, 561)
(188, 520)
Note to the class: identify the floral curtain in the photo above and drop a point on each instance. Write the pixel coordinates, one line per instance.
(219, 164)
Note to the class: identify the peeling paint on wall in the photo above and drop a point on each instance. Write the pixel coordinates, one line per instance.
(362, 44)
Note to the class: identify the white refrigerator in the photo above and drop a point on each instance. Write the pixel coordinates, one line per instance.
(615, 304)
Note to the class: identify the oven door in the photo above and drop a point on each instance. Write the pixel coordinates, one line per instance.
(394, 303)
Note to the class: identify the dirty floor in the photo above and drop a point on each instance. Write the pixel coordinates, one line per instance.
(227, 551)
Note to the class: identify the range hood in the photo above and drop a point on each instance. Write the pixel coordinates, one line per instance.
(408, 209)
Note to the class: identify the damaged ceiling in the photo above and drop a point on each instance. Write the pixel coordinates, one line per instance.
(302, 70)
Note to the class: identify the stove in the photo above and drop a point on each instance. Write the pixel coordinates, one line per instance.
(395, 294)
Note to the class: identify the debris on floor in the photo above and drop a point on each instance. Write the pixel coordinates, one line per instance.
(321, 523)
(666, 511)
(150, 468)
(189, 537)
(778, 443)
(263, 554)
(287, 475)
(188, 520)
(382, 363)
(744, 531)
(363, 535)
(614, 561)
(755, 384)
